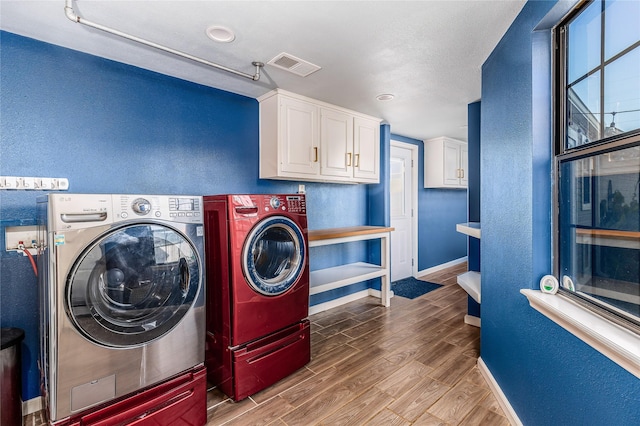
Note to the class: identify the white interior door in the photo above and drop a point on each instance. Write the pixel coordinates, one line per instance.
(403, 190)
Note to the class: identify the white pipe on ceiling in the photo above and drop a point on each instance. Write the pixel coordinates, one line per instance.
(68, 9)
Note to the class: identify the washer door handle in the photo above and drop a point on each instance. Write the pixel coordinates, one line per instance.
(185, 275)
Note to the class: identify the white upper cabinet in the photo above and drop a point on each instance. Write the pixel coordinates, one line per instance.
(299, 144)
(366, 157)
(309, 140)
(445, 163)
(336, 143)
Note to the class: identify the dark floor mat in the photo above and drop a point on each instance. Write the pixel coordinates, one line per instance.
(412, 287)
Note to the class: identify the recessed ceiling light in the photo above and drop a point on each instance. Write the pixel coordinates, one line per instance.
(385, 97)
(220, 34)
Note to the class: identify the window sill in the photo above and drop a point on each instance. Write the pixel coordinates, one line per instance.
(617, 343)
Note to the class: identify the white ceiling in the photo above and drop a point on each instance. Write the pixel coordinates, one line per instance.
(427, 53)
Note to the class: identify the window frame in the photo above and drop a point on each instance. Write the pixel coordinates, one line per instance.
(562, 153)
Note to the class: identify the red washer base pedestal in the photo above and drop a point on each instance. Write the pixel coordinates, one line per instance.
(270, 359)
(178, 401)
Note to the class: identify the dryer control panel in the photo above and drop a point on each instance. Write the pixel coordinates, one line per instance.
(294, 203)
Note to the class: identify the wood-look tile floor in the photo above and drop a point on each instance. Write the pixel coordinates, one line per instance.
(413, 363)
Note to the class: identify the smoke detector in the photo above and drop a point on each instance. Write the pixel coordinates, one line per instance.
(293, 64)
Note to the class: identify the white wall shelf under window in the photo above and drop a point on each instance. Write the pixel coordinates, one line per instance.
(470, 282)
(617, 343)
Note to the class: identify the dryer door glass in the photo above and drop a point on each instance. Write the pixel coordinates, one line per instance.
(274, 255)
(133, 285)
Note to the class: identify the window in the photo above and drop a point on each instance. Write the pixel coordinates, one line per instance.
(598, 157)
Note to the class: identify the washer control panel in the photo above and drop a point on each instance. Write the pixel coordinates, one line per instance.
(185, 209)
(79, 211)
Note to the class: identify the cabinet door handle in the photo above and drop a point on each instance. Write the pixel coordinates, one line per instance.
(315, 154)
(356, 160)
(348, 159)
(462, 173)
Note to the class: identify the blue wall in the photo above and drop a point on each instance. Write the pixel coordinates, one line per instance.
(549, 376)
(113, 128)
(439, 210)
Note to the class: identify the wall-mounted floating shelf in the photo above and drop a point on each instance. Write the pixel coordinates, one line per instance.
(470, 281)
(471, 229)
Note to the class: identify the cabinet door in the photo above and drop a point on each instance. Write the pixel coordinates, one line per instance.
(451, 159)
(336, 143)
(366, 148)
(464, 166)
(299, 137)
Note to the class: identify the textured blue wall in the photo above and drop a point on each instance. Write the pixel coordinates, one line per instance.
(113, 128)
(473, 194)
(439, 210)
(534, 361)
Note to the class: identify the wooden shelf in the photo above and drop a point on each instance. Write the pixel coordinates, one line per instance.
(470, 282)
(471, 229)
(340, 276)
(320, 237)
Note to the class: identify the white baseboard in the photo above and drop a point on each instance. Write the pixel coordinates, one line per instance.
(321, 307)
(508, 410)
(32, 405)
(442, 266)
(472, 320)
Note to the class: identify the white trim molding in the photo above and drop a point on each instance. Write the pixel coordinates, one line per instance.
(617, 343)
(504, 403)
(472, 320)
(415, 161)
(442, 266)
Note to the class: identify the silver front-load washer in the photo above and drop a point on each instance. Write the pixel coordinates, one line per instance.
(122, 295)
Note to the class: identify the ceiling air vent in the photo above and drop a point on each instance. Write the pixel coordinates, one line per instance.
(292, 64)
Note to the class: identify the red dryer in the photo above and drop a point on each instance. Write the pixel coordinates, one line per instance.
(257, 290)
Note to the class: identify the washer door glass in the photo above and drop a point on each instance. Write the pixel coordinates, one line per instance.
(133, 285)
(274, 255)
